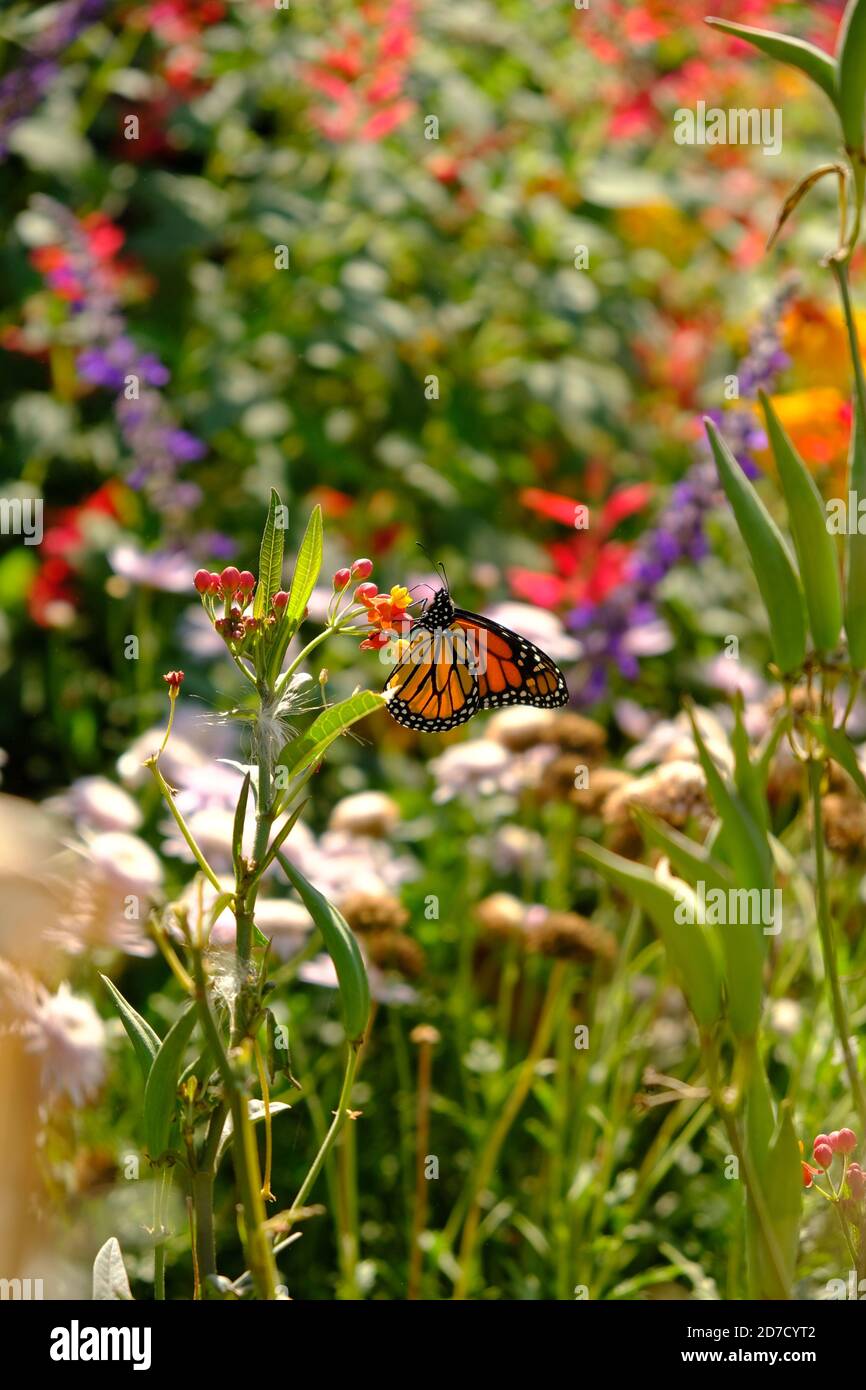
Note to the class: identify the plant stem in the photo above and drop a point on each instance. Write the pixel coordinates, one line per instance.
(182, 825)
(840, 271)
(260, 1260)
(754, 1191)
(499, 1133)
(337, 1123)
(422, 1136)
(828, 947)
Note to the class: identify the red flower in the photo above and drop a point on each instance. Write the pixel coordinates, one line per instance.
(589, 567)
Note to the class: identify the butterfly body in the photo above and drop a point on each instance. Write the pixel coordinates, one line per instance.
(458, 663)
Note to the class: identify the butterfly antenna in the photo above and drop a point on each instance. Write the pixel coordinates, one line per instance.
(437, 565)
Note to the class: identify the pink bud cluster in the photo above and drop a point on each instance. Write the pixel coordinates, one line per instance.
(825, 1148)
(233, 588)
(361, 569)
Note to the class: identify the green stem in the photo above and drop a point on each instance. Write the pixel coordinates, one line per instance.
(828, 947)
(260, 1260)
(840, 271)
(335, 1127)
(182, 825)
(754, 1191)
(499, 1133)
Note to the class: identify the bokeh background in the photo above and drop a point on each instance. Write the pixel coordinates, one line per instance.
(442, 269)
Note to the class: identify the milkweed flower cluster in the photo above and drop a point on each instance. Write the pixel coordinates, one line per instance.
(826, 1148)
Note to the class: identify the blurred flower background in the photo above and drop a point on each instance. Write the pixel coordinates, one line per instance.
(442, 269)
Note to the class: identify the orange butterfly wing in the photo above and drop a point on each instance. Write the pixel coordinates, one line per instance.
(511, 670)
(433, 687)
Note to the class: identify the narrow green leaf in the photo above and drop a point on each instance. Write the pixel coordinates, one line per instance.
(841, 750)
(746, 850)
(740, 842)
(812, 61)
(270, 559)
(688, 947)
(160, 1093)
(815, 547)
(145, 1040)
(341, 946)
(239, 822)
(774, 570)
(855, 579)
(307, 567)
(691, 860)
(851, 73)
(310, 748)
(747, 773)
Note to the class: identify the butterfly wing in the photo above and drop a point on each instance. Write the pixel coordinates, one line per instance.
(434, 686)
(510, 669)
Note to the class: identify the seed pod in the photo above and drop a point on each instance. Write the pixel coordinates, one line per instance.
(851, 73)
(777, 579)
(816, 551)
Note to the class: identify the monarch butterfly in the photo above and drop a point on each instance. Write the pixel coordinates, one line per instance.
(458, 663)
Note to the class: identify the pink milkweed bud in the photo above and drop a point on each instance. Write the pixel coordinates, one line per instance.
(202, 581)
(281, 599)
(365, 592)
(173, 679)
(341, 579)
(247, 581)
(362, 569)
(821, 1139)
(214, 582)
(230, 579)
(846, 1141)
(823, 1155)
(856, 1181)
(833, 1139)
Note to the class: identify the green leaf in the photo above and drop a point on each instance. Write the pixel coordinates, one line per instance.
(110, 1282)
(855, 579)
(239, 822)
(748, 775)
(851, 73)
(812, 61)
(688, 947)
(160, 1093)
(747, 851)
(270, 559)
(740, 842)
(341, 946)
(310, 748)
(691, 860)
(145, 1040)
(816, 549)
(774, 570)
(841, 750)
(307, 567)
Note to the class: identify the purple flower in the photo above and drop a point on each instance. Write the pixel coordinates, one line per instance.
(112, 360)
(625, 625)
(22, 89)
